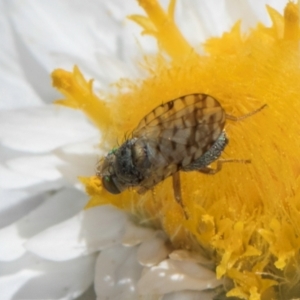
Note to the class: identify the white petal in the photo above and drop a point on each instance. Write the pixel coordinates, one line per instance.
(251, 12)
(11, 243)
(19, 171)
(10, 179)
(26, 79)
(10, 284)
(135, 234)
(87, 147)
(59, 41)
(9, 200)
(15, 92)
(117, 273)
(89, 231)
(65, 280)
(111, 70)
(43, 129)
(205, 18)
(33, 278)
(55, 209)
(184, 255)
(170, 276)
(42, 167)
(190, 295)
(153, 250)
(65, 30)
(260, 13)
(14, 204)
(214, 17)
(80, 159)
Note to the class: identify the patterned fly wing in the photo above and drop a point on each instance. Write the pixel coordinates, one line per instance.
(178, 132)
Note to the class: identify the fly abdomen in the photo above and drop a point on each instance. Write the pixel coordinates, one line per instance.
(210, 155)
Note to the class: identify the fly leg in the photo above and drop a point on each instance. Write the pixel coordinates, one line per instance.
(240, 118)
(212, 171)
(177, 191)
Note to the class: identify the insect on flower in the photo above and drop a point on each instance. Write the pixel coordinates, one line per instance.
(184, 134)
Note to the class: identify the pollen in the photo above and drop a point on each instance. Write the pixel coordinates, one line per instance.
(246, 217)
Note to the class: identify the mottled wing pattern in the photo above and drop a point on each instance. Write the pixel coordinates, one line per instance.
(178, 132)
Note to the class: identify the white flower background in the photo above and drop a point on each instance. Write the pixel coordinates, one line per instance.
(49, 247)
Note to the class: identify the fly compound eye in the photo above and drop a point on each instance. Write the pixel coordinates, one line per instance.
(109, 184)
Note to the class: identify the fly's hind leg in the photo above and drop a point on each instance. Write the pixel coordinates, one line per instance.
(240, 118)
(212, 155)
(212, 171)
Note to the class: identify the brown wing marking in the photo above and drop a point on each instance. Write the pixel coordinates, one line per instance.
(188, 132)
(178, 132)
(185, 111)
(160, 174)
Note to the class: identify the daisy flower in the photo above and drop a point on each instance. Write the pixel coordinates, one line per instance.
(241, 236)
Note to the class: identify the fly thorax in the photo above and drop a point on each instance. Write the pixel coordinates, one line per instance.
(140, 155)
(124, 166)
